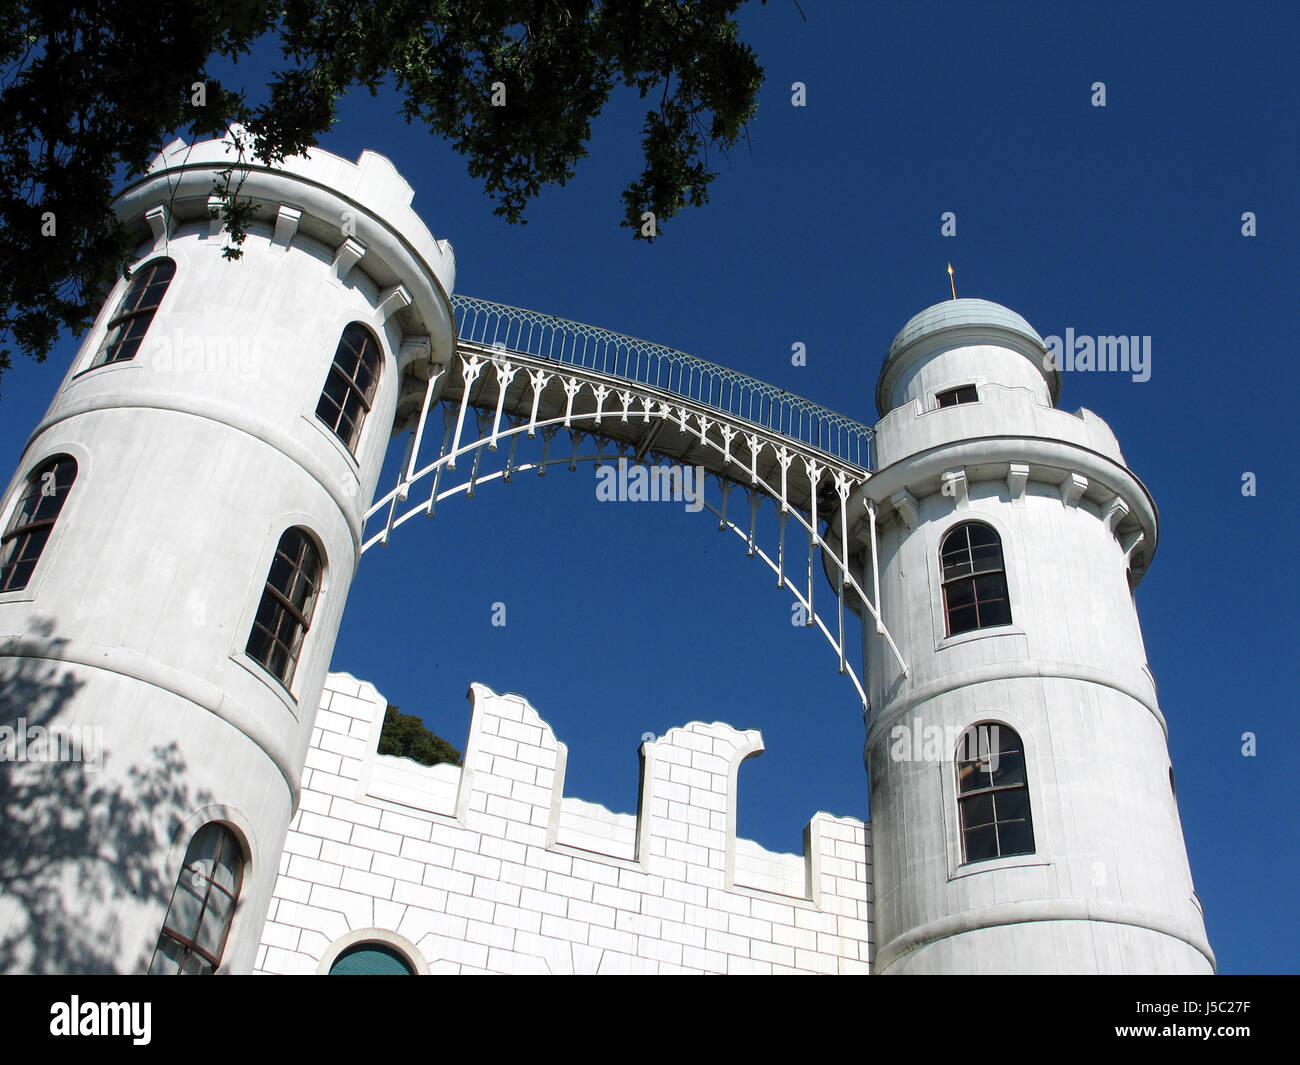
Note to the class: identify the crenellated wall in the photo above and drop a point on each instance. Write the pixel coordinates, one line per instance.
(489, 868)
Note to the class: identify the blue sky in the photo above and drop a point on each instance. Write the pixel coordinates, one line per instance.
(825, 230)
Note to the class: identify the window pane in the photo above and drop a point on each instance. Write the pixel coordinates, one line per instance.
(16, 575)
(328, 411)
(153, 294)
(167, 958)
(348, 358)
(286, 627)
(957, 566)
(278, 661)
(1016, 838)
(972, 776)
(995, 613)
(229, 867)
(365, 378)
(195, 966)
(134, 294)
(336, 388)
(960, 593)
(348, 430)
(187, 902)
(976, 810)
(1008, 739)
(981, 843)
(28, 547)
(258, 643)
(1012, 805)
(216, 920)
(268, 613)
(1010, 769)
(963, 620)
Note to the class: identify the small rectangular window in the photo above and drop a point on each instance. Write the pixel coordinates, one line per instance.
(964, 394)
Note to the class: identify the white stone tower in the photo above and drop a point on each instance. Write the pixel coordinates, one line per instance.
(1011, 535)
(180, 537)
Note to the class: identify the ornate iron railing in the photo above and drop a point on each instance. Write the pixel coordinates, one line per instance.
(545, 336)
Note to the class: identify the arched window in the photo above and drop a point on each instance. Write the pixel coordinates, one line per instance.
(371, 959)
(974, 579)
(126, 329)
(350, 387)
(33, 521)
(993, 794)
(284, 615)
(203, 903)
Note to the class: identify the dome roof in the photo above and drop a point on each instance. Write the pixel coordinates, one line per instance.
(966, 312)
(972, 321)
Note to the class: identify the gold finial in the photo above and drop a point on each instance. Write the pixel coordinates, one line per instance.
(952, 282)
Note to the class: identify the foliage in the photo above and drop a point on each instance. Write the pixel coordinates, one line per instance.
(91, 91)
(405, 736)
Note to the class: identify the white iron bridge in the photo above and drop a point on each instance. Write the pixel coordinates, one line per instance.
(527, 391)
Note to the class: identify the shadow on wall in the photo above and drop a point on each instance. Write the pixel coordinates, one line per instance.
(80, 836)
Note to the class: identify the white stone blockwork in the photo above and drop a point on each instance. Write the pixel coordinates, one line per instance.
(489, 868)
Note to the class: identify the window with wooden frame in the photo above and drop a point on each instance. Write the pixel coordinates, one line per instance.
(953, 396)
(33, 521)
(993, 794)
(974, 579)
(198, 919)
(350, 387)
(288, 600)
(126, 329)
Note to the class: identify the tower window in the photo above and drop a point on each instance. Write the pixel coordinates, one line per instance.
(953, 396)
(974, 579)
(33, 521)
(350, 387)
(993, 794)
(126, 329)
(203, 903)
(284, 615)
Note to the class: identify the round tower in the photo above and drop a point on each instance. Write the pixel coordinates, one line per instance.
(1022, 801)
(179, 540)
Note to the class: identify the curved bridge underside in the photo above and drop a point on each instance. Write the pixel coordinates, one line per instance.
(527, 391)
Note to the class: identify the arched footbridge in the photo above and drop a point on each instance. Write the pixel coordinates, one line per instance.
(527, 391)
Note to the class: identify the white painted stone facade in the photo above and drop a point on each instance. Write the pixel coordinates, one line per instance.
(490, 869)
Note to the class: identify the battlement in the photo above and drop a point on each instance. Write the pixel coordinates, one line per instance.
(355, 216)
(489, 867)
(372, 182)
